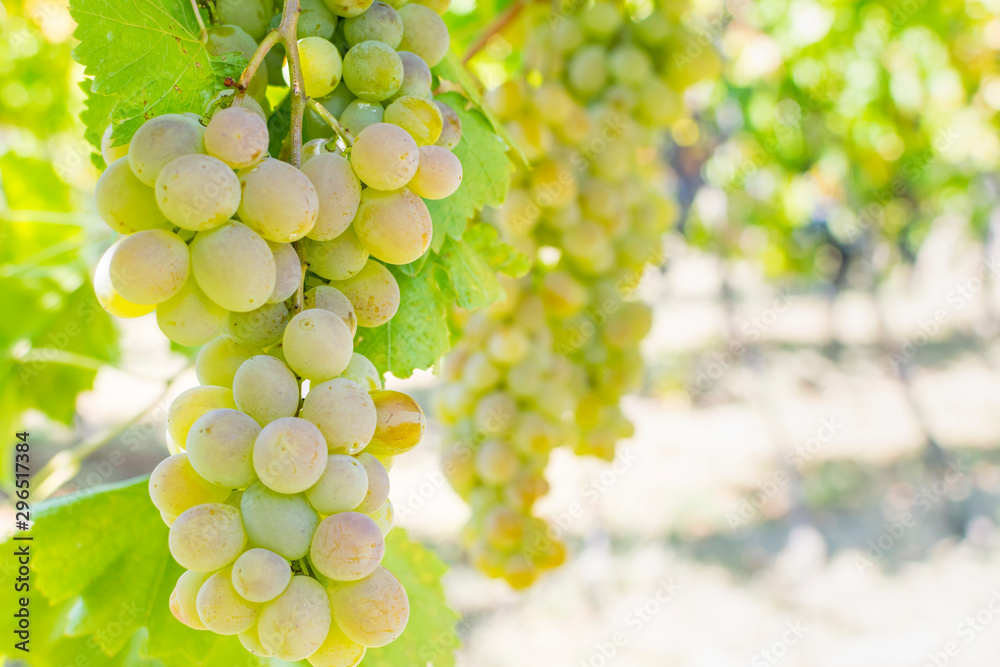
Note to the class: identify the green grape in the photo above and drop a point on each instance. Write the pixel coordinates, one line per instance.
(534, 138)
(587, 70)
(279, 201)
(337, 650)
(384, 156)
(174, 486)
(189, 317)
(601, 20)
(250, 15)
(554, 102)
(321, 66)
(315, 126)
(266, 389)
(250, 640)
(424, 33)
(360, 114)
(260, 575)
(393, 226)
(506, 100)
(207, 537)
(149, 266)
(630, 65)
(380, 22)
(496, 462)
(494, 413)
(418, 116)
(478, 373)
(438, 175)
(562, 294)
(126, 204)
(363, 373)
(234, 267)
(658, 104)
(451, 130)
(262, 327)
(289, 455)
(109, 298)
(373, 71)
(315, 20)
(400, 424)
(338, 259)
(161, 140)
(416, 77)
(219, 359)
(221, 608)
(317, 344)
(378, 484)
(373, 611)
(183, 599)
(237, 136)
(339, 193)
(373, 292)
(508, 346)
(314, 148)
(343, 412)
(332, 299)
(348, 8)
(198, 192)
(341, 487)
(347, 546)
(220, 447)
(384, 517)
(228, 39)
(185, 410)
(653, 30)
(629, 325)
(109, 151)
(294, 625)
(278, 522)
(288, 271)
(439, 6)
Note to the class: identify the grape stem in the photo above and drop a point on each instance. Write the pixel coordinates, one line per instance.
(291, 150)
(495, 28)
(201, 23)
(299, 302)
(266, 44)
(332, 121)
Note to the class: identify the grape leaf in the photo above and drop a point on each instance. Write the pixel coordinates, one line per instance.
(472, 265)
(418, 334)
(485, 173)
(148, 55)
(430, 637)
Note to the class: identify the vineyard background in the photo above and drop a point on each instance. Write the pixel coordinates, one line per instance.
(814, 478)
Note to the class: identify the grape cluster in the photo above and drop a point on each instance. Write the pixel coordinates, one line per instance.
(276, 489)
(548, 367)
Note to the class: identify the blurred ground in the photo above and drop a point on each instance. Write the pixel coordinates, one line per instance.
(809, 489)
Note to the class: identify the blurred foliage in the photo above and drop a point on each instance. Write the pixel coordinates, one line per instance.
(54, 334)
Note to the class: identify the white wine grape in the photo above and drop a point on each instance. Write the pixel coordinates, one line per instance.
(234, 267)
(294, 626)
(395, 226)
(317, 345)
(341, 487)
(374, 293)
(266, 389)
(347, 546)
(207, 537)
(260, 575)
(220, 447)
(289, 455)
(343, 412)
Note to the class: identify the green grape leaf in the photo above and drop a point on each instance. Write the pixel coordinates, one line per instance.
(418, 334)
(485, 173)
(430, 637)
(100, 558)
(95, 116)
(147, 54)
(452, 69)
(472, 265)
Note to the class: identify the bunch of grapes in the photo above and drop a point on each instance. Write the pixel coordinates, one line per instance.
(276, 489)
(549, 366)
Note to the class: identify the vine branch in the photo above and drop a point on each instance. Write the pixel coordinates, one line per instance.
(495, 28)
